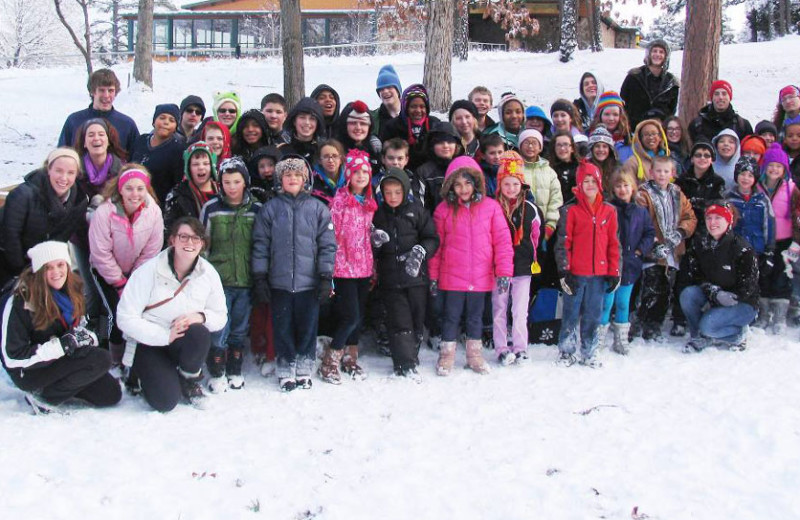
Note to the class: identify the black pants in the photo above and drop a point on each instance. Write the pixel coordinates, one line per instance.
(655, 294)
(349, 306)
(294, 324)
(83, 375)
(157, 367)
(109, 299)
(775, 283)
(405, 309)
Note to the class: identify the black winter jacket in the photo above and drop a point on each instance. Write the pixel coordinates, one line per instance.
(643, 92)
(729, 263)
(164, 162)
(701, 191)
(33, 213)
(180, 202)
(710, 122)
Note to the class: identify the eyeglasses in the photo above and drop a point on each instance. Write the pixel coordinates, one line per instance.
(332, 157)
(702, 156)
(196, 111)
(226, 110)
(673, 129)
(183, 238)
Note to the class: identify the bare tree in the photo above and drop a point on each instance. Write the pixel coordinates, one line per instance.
(700, 55)
(143, 57)
(461, 30)
(437, 75)
(26, 33)
(86, 47)
(292, 47)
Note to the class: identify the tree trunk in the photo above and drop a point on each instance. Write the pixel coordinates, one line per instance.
(596, 42)
(700, 56)
(86, 47)
(569, 29)
(752, 20)
(115, 26)
(143, 57)
(783, 17)
(438, 54)
(461, 30)
(770, 11)
(292, 47)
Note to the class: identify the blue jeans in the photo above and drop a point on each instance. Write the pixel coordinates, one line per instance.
(237, 299)
(722, 323)
(621, 300)
(585, 305)
(294, 325)
(458, 303)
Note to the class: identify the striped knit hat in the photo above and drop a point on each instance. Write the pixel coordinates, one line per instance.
(609, 99)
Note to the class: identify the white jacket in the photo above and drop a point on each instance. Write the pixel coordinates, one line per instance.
(154, 282)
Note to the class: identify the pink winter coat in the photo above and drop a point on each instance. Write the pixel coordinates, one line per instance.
(352, 222)
(117, 246)
(474, 250)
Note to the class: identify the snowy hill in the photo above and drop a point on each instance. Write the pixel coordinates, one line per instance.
(712, 436)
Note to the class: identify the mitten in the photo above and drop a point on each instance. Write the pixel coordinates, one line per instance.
(414, 260)
(503, 283)
(378, 237)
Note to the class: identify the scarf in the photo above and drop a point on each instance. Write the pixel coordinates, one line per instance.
(201, 197)
(414, 131)
(97, 176)
(64, 304)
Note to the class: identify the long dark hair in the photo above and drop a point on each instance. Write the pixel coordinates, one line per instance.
(114, 148)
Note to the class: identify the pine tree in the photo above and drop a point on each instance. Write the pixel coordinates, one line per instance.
(669, 28)
(569, 29)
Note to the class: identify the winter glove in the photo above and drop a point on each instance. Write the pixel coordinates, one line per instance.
(434, 288)
(674, 237)
(325, 290)
(613, 283)
(792, 254)
(548, 232)
(568, 284)
(502, 284)
(79, 338)
(766, 263)
(414, 260)
(378, 237)
(660, 251)
(717, 296)
(260, 292)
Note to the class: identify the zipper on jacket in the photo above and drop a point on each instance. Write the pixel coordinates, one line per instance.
(594, 242)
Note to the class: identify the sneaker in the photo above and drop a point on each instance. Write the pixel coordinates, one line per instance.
(287, 384)
(217, 385)
(236, 382)
(303, 382)
(695, 345)
(565, 359)
(507, 358)
(678, 330)
(522, 356)
(591, 362)
(40, 407)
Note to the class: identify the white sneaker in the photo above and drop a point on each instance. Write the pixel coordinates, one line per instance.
(507, 358)
(236, 382)
(217, 385)
(267, 368)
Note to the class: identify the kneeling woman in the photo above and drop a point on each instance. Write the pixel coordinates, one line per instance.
(170, 306)
(722, 272)
(46, 349)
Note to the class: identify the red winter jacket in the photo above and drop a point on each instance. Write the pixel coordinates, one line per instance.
(475, 246)
(588, 244)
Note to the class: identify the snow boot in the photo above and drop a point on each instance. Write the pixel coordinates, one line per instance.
(779, 308)
(762, 321)
(621, 344)
(566, 359)
(475, 359)
(434, 342)
(602, 332)
(350, 364)
(678, 330)
(447, 357)
(233, 367)
(507, 358)
(215, 362)
(191, 387)
(329, 369)
(287, 384)
(39, 406)
(652, 332)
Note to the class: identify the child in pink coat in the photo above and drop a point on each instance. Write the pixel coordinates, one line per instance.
(474, 256)
(352, 209)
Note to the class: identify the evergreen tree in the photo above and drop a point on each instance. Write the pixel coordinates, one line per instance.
(669, 28)
(569, 29)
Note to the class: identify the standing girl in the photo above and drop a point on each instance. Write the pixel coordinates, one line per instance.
(564, 162)
(475, 255)
(328, 174)
(603, 155)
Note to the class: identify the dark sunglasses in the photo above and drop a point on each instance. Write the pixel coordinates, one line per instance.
(195, 111)
(226, 110)
(702, 156)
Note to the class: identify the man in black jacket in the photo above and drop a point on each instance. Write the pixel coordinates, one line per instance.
(718, 115)
(650, 91)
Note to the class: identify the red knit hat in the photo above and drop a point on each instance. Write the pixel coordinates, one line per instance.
(754, 143)
(720, 210)
(720, 84)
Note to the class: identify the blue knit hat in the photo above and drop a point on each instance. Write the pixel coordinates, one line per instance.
(167, 108)
(387, 77)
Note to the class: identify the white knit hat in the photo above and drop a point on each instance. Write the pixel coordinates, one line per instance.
(531, 132)
(48, 251)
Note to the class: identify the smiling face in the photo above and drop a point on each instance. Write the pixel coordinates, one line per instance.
(275, 115)
(226, 113)
(721, 100)
(164, 126)
(623, 190)
(103, 98)
(389, 96)
(483, 102)
(360, 179)
(96, 140)
(610, 118)
(444, 149)
(292, 182)
(134, 193)
(530, 149)
(775, 172)
(590, 188)
(651, 137)
(416, 109)
(464, 122)
(657, 56)
(493, 153)
(601, 151)
(266, 167)
(661, 174)
(510, 187)
(200, 171)
(716, 225)
(305, 126)
(563, 147)
(357, 130)
(187, 245)
(327, 101)
(62, 174)
(701, 161)
(726, 147)
(745, 180)
(674, 132)
(561, 121)
(463, 188)
(791, 103)
(252, 133)
(56, 272)
(589, 85)
(513, 116)
(215, 140)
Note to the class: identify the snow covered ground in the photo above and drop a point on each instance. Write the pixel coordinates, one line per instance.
(709, 436)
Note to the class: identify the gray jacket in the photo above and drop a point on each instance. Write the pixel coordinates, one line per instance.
(293, 242)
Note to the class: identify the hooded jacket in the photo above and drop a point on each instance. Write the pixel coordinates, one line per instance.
(641, 162)
(585, 108)
(785, 198)
(637, 234)
(242, 149)
(371, 144)
(306, 149)
(262, 189)
(722, 167)
(352, 223)
(401, 126)
(407, 225)
(709, 123)
(649, 96)
(546, 189)
(701, 192)
(756, 221)
(432, 172)
(329, 126)
(164, 162)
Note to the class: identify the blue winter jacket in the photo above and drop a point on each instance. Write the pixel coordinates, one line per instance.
(636, 232)
(756, 222)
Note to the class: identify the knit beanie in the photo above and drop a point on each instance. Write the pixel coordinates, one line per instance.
(199, 147)
(601, 135)
(658, 42)
(607, 99)
(745, 164)
(720, 84)
(291, 163)
(788, 90)
(62, 151)
(167, 108)
(511, 165)
(775, 154)
(465, 104)
(48, 251)
(193, 100)
(765, 126)
(441, 132)
(222, 97)
(528, 133)
(387, 77)
(412, 91)
(702, 143)
(463, 161)
(754, 143)
(504, 100)
(720, 210)
(561, 105)
(232, 165)
(588, 168)
(359, 112)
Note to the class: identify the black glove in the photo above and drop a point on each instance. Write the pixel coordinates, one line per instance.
(434, 288)
(766, 263)
(673, 238)
(414, 260)
(660, 251)
(325, 290)
(568, 284)
(79, 338)
(613, 283)
(503, 283)
(378, 237)
(260, 292)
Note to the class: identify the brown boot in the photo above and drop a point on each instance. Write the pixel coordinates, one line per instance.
(447, 357)
(350, 363)
(475, 359)
(329, 369)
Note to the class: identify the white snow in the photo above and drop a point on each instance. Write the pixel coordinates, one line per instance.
(710, 436)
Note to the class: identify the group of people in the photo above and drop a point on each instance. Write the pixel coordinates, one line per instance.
(286, 224)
